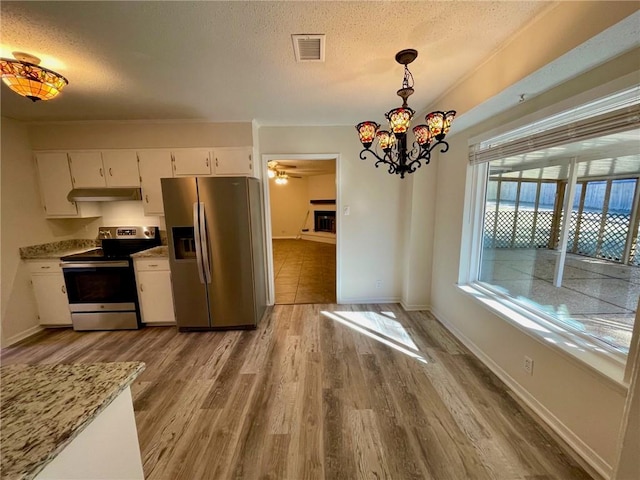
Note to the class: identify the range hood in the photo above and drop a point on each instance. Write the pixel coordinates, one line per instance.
(104, 194)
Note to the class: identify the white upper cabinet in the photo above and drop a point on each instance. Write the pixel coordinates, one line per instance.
(153, 165)
(191, 162)
(86, 169)
(233, 161)
(121, 168)
(55, 184)
(113, 168)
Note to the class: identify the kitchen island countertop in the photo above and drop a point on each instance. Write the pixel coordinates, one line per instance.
(44, 407)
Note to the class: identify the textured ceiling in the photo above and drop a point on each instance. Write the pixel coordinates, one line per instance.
(234, 61)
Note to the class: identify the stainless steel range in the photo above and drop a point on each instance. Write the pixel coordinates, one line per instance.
(101, 283)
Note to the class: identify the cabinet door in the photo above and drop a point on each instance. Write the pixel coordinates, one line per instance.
(153, 165)
(121, 168)
(51, 297)
(233, 161)
(191, 161)
(87, 170)
(156, 297)
(55, 183)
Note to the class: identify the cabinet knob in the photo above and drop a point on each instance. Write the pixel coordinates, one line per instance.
(101, 173)
(110, 172)
(216, 161)
(141, 288)
(45, 267)
(206, 162)
(64, 289)
(146, 197)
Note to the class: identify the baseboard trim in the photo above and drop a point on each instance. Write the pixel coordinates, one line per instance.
(414, 308)
(290, 237)
(21, 336)
(367, 300)
(595, 465)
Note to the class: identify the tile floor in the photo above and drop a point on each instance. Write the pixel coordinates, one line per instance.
(597, 297)
(305, 271)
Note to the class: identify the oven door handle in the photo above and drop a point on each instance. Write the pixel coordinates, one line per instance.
(89, 264)
(196, 237)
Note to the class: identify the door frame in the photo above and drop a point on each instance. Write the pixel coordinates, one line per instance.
(266, 158)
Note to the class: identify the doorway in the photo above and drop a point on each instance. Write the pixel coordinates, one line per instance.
(302, 228)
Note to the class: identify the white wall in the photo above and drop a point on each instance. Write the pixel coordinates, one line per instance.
(370, 239)
(23, 223)
(582, 406)
(289, 206)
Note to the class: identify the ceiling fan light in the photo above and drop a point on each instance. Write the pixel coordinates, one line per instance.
(367, 131)
(400, 119)
(30, 80)
(271, 173)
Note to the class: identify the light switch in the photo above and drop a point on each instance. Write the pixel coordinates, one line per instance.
(346, 210)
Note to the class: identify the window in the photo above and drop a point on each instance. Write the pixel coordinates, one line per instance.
(557, 213)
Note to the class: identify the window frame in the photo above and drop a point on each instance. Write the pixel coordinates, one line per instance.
(582, 348)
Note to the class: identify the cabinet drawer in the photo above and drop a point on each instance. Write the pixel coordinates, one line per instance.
(44, 266)
(150, 264)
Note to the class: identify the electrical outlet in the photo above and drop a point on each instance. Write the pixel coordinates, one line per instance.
(378, 283)
(528, 365)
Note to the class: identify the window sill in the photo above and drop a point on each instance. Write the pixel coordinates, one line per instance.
(586, 354)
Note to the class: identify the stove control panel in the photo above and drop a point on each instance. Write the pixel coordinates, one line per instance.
(128, 233)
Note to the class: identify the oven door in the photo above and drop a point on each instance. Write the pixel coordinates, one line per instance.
(102, 294)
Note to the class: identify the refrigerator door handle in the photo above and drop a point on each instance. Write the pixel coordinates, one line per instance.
(196, 238)
(205, 245)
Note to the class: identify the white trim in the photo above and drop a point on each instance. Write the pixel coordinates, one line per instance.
(585, 97)
(266, 158)
(288, 237)
(21, 336)
(368, 300)
(415, 308)
(572, 440)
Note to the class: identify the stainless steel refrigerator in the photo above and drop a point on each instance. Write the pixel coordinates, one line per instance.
(216, 251)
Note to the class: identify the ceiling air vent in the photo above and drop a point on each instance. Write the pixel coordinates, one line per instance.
(308, 48)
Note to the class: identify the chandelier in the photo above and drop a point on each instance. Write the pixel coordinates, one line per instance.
(393, 142)
(26, 78)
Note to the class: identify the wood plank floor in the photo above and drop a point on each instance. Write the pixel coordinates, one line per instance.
(317, 392)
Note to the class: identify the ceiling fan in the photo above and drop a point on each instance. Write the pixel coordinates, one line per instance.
(278, 171)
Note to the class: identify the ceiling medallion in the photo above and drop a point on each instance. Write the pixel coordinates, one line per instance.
(24, 76)
(393, 142)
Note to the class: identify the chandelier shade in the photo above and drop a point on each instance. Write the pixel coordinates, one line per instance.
(24, 76)
(396, 155)
(367, 131)
(400, 119)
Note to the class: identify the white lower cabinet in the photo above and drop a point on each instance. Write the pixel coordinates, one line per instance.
(154, 290)
(51, 294)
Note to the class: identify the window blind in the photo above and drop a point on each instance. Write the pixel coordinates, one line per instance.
(605, 117)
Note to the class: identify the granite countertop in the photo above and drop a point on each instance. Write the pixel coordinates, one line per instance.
(55, 250)
(160, 251)
(44, 407)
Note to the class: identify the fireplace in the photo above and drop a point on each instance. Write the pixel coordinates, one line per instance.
(324, 221)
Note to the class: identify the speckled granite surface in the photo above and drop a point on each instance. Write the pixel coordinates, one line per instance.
(57, 249)
(44, 407)
(161, 251)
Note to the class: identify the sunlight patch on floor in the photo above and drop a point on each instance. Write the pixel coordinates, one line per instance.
(360, 322)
